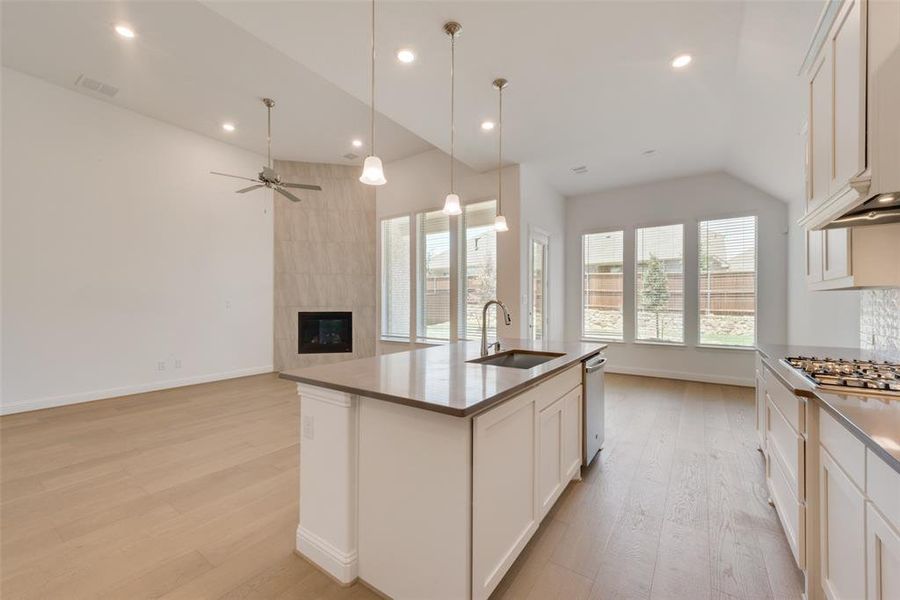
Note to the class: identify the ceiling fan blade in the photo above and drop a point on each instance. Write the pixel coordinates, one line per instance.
(302, 186)
(249, 189)
(287, 194)
(235, 176)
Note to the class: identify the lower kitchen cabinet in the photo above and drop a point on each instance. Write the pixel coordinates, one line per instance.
(842, 519)
(525, 452)
(559, 448)
(883, 556)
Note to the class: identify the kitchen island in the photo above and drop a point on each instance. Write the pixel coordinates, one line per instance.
(424, 473)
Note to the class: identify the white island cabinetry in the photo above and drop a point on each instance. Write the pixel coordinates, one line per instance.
(525, 453)
(424, 474)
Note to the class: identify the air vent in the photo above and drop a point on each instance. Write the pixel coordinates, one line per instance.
(649, 152)
(351, 156)
(96, 86)
(580, 170)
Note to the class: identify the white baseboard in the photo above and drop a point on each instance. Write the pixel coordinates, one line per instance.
(701, 377)
(338, 564)
(8, 408)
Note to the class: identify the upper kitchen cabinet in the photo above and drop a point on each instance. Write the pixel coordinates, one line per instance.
(853, 142)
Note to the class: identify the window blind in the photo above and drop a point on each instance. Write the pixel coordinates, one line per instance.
(478, 268)
(395, 277)
(727, 286)
(659, 284)
(434, 276)
(602, 271)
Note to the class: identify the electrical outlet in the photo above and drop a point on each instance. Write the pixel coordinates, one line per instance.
(309, 429)
(228, 305)
(177, 363)
(161, 365)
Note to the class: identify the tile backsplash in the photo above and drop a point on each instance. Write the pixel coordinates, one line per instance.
(879, 321)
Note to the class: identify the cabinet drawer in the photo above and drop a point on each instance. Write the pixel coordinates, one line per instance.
(791, 406)
(846, 450)
(789, 445)
(883, 488)
(791, 511)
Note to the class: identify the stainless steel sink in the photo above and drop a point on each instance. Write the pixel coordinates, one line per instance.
(517, 359)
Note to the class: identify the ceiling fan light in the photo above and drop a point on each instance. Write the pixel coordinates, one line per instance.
(451, 205)
(373, 172)
(500, 223)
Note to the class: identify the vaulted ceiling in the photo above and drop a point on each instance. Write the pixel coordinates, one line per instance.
(590, 82)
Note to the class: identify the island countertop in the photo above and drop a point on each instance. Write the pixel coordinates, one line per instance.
(873, 419)
(440, 378)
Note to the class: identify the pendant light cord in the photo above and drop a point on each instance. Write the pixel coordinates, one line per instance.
(269, 134)
(452, 105)
(372, 104)
(500, 155)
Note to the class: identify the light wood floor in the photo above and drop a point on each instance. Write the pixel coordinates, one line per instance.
(192, 493)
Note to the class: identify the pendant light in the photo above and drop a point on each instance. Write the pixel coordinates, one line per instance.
(451, 203)
(500, 220)
(373, 171)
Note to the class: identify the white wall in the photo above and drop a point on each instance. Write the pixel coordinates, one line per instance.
(120, 251)
(686, 200)
(420, 183)
(544, 209)
(825, 318)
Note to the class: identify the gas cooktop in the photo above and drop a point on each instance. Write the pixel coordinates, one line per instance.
(861, 376)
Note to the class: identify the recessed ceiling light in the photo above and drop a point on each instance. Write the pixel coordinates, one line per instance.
(682, 60)
(406, 55)
(228, 126)
(487, 125)
(125, 31)
(357, 143)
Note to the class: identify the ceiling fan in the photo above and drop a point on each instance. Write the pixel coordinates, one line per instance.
(268, 177)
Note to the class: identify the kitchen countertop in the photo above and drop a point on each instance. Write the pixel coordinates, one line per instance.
(875, 420)
(439, 378)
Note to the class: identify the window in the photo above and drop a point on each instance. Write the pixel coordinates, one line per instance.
(395, 277)
(602, 272)
(659, 284)
(434, 275)
(478, 268)
(727, 273)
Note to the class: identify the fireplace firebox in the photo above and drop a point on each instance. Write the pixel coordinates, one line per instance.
(324, 332)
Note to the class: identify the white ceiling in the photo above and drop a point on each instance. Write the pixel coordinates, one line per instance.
(590, 82)
(193, 68)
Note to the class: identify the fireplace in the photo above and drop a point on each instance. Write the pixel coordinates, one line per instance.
(324, 332)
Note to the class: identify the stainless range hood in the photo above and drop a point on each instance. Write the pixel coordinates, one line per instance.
(877, 210)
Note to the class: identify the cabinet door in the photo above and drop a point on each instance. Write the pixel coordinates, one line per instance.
(836, 260)
(820, 130)
(883, 557)
(551, 437)
(572, 430)
(760, 410)
(842, 522)
(848, 46)
(504, 515)
(815, 249)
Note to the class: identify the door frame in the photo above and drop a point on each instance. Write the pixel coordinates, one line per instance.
(537, 235)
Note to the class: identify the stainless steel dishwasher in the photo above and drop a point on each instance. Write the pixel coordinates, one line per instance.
(593, 408)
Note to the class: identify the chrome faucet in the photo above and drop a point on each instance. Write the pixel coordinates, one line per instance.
(484, 345)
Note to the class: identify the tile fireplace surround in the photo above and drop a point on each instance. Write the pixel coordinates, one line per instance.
(324, 258)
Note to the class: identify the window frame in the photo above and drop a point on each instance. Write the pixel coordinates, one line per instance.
(725, 217)
(583, 335)
(457, 238)
(684, 330)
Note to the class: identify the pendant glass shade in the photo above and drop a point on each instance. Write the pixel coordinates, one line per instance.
(500, 223)
(373, 172)
(451, 205)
